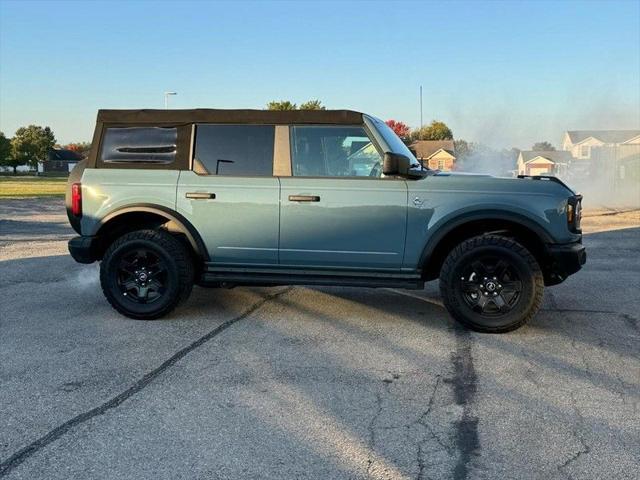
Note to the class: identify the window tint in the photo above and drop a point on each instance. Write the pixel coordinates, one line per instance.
(333, 152)
(241, 150)
(139, 145)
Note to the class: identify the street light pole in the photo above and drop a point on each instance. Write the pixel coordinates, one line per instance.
(421, 107)
(166, 99)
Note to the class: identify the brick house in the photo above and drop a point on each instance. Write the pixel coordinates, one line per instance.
(435, 154)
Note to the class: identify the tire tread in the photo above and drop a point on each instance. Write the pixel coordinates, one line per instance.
(175, 248)
(447, 279)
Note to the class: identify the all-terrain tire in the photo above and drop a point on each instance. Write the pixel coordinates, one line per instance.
(177, 273)
(458, 278)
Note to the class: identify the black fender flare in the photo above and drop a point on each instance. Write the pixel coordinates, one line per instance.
(488, 215)
(185, 225)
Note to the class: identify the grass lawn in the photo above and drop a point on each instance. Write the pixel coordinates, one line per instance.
(25, 186)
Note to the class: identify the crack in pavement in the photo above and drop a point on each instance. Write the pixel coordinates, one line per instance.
(372, 430)
(577, 434)
(24, 453)
(578, 429)
(423, 422)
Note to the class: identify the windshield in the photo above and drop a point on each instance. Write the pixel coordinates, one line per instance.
(393, 141)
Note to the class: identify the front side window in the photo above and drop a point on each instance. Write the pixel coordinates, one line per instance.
(236, 150)
(139, 145)
(333, 151)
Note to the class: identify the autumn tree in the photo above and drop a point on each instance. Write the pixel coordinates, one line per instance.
(312, 105)
(83, 148)
(32, 144)
(401, 129)
(436, 130)
(543, 147)
(281, 105)
(6, 156)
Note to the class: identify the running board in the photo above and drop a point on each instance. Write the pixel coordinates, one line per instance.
(244, 276)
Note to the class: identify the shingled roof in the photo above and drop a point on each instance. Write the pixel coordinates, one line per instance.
(61, 154)
(605, 136)
(425, 148)
(555, 156)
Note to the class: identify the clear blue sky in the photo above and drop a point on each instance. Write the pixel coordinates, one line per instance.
(504, 73)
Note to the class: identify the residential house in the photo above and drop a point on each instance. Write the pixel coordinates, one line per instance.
(554, 163)
(588, 150)
(580, 142)
(435, 154)
(59, 161)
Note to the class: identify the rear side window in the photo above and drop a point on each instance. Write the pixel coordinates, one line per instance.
(139, 145)
(236, 150)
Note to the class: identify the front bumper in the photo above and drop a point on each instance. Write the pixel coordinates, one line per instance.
(564, 260)
(83, 249)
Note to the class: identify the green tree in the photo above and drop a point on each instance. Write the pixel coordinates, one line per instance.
(282, 105)
(6, 157)
(32, 144)
(543, 147)
(436, 130)
(312, 105)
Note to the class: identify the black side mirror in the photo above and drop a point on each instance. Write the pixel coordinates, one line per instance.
(395, 164)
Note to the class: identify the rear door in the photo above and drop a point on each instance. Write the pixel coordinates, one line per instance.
(231, 195)
(337, 210)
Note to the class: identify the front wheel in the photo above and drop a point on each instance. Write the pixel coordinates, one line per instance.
(491, 284)
(146, 273)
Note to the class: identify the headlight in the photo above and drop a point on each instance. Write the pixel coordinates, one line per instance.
(574, 212)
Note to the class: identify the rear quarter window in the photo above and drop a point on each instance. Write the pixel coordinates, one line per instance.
(139, 145)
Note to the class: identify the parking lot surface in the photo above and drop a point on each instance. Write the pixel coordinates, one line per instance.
(312, 382)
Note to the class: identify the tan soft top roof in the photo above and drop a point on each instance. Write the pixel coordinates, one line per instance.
(206, 115)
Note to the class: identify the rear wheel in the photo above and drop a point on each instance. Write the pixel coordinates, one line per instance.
(491, 284)
(145, 274)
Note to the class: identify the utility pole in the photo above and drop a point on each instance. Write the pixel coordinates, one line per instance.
(421, 123)
(166, 99)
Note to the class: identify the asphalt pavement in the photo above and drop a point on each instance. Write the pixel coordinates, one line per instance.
(323, 383)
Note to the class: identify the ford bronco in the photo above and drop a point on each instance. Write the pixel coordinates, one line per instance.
(220, 198)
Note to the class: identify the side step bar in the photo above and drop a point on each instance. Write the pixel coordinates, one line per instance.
(232, 277)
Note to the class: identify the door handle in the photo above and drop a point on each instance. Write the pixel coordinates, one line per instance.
(304, 198)
(200, 195)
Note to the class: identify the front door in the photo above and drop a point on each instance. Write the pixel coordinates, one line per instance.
(337, 211)
(232, 197)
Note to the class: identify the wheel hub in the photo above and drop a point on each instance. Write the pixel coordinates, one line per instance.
(142, 276)
(491, 286)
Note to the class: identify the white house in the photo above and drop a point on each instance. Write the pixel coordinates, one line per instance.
(580, 142)
(531, 162)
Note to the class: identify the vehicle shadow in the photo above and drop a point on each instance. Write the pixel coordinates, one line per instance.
(332, 407)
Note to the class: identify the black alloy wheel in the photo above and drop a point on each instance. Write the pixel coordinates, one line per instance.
(145, 274)
(142, 275)
(491, 283)
(491, 286)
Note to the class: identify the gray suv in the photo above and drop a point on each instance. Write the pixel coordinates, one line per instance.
(219, 198)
